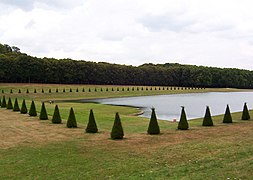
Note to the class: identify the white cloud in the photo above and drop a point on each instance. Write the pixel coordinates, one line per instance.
(213, 33)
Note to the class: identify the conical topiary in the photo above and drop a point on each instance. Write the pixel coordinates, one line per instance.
(71, 123)
(35, 91)
(227, 116)
(2, 91)
(43, 112)
(63, 90)
(117, 130)
(183, 123)
(207, 121)
(49, 90)
(42, 90)
(56, 90)
(153, 127)
(92, 126)
(77, 89)
(9, 104)
(19, 91)
(56, 117)
(16, 106)
(23, 108)
(11, 91)
(70, 90)
(27, 91)
(83, 90)
(245, 113)
(3, 104)
(0, 102)
(32, 111)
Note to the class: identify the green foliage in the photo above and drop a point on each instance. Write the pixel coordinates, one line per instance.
(227, 116)
(27, 91)
(2, 91)
(183, 123)
(9, 104)
(101, 89)
(32, 111)
(207, 121)
(49, 91)
(35, 91)
(92, 126)
(3, 105)
(16, 106)
(77, 89)
(245, 112)
(64, 90)
(71, 123)
(153, 127)
(83, 90)
(23, 107)
(56, 90)
(117, 130)
(95, 89)
(56, 117)
(19, 91)
(43, 112)
(11, 91)
(70, 90)
(42, 91)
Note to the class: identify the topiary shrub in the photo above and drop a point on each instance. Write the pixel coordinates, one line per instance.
(0, 102)
(64, 90)
(107, 89)
(207, 121)
(43, 112)
(92, 126)
(77, 90)
(49, 91)
(32, 111)
(3, 104)
(11, 91)
(35, 91)
(71, 123)
(95, 89)
(245, 112)
(227, 116)
(117, 130)
(27, 91)
(70, 90)
(83, 90)
(42, 91)
(2, 91)
(19, 91)
(128, 89)
(183, 123)
(9, 104)
(23, 108)
(132, 88)
(122, 89)
(101, 89)
(117, 89)
(57, 90)
(16, 106)
(153, 127)
(56, 117)
(89, 90)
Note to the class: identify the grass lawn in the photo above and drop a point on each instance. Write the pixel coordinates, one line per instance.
(34, 149)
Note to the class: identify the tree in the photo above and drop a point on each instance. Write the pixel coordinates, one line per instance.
(183, 123)
(71, 123)
(153, 127)
(27, 91)
(245, 113)
(207, 121)
(56, 117)
(23, 107)
(117, 130)
(92, 126)
(43, 112)
(9, 105)
(32, 111)
(19, 91)
(227, 116)
(16, 106)
(3, 105)
(77, 89)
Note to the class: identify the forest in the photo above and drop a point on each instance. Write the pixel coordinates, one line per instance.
(17, 67)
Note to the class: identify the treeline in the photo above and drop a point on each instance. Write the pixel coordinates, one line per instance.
(17, 67)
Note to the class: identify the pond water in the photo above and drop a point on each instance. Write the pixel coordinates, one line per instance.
(168, 107)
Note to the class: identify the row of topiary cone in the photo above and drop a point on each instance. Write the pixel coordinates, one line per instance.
(207, 120)
(116, 133)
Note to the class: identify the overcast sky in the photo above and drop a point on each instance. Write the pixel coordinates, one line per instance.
(202, 32)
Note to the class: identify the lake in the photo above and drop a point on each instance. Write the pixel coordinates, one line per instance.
(168, 107)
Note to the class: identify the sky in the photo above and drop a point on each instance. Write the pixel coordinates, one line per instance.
(215, 33)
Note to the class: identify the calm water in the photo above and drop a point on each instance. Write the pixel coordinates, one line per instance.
(168, 107)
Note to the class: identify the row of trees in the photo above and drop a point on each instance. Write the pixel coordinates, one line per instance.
(117, 129)
(21, 68)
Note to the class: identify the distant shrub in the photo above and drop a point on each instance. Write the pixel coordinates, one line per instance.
(89, 90)
(56, 117)
(19, 91)
(49, 91)
(2, 91)
(207, 121)
(16, 106)
(35, 91)
(245, 112)
(95, 89)
(77, 90)
(23, 107)
(227, 116)
(128, 89)
(83, 90)
(92, 126)
(117, 130)
(43, 112)
(123, 89)
(70, 90)
(153, 127)
(137, 88)
(42, 90)
(107, 89)
(27, 91)
(71, 123)
(183, 123)
(64, 90)
(101, 89)
(57, 90)
(117, 89)
(32, 110)
(3, 104)
(112, 89)
(11, 91)
(132, 88)
(9, 104)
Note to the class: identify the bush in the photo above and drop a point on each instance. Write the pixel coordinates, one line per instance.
(32, 111)
(245, 112)
(64, 90)
(89, 90)
(19, 91)
(71, 123)
(153, 127)
(49, 91)
(83, 90)
(227, 116)
(56, 117)
(92, 126)
(3, 104)
(183, 123)
(2, 91)
(77, 89)
(11, 91)
(117, 130)
(16, 106)
(9, 105)
(23, 108)
(70, 90)
(42, 91)
(57, 90)
(35, 91)
(43, 112)
(27, 91)
(207, 121)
